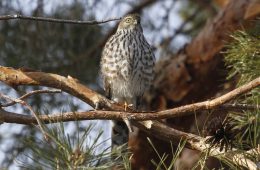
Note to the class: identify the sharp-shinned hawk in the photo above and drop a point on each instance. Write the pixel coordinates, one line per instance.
(127, 69)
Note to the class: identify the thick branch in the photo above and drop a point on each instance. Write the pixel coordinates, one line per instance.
(70, 85)
(11, 117)
(55, 20)
(16, 77)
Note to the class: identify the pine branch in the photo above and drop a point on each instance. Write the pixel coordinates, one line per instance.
(162, 131)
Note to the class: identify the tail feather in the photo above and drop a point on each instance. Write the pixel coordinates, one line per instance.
(120, 133)
(120, 129)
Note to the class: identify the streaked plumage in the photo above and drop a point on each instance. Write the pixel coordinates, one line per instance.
(127, 63)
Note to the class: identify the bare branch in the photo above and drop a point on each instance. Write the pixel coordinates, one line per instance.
(70, 85)
(11, 117)
(55, 20)
(28, 95)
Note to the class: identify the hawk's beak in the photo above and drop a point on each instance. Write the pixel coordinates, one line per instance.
(135, 22)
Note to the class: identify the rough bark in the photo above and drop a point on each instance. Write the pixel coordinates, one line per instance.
(12, 76)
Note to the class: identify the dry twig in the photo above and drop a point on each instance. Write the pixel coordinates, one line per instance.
(55, 20)
(23, 103)
(28, 95)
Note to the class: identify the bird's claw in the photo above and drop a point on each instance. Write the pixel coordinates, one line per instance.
(126, 105)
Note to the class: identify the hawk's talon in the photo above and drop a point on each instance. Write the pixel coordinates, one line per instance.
(125, 106)
(128, 106)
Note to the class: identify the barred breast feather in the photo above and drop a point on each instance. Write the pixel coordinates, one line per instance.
(127, 65)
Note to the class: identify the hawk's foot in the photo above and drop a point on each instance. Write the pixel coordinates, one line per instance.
(126, 105)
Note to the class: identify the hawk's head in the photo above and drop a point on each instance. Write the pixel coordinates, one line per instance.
(130, 21)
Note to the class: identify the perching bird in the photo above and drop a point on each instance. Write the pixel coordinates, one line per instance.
(127, 69)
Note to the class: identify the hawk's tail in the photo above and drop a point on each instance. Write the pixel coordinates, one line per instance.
(120, 133)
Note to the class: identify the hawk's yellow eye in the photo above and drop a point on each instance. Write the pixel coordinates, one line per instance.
(128, 20)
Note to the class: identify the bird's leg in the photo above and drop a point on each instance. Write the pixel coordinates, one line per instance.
(126, 120)
(125, 106)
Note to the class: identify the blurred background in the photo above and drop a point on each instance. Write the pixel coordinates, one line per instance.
(74, 50)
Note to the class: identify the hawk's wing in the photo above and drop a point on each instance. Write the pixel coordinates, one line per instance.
(106, 69)
(107, 88)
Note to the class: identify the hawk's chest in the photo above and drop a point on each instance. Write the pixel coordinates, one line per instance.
(127, 64)
(127, 51)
